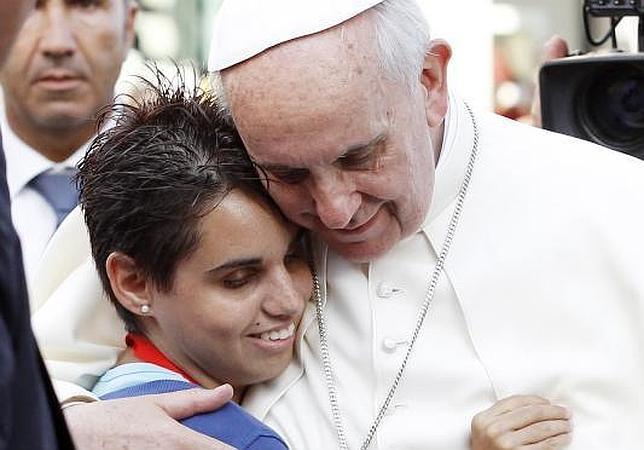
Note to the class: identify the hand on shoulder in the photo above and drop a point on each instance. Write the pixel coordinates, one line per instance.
(147, 422)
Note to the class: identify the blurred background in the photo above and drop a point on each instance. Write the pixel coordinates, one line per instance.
(497, 43)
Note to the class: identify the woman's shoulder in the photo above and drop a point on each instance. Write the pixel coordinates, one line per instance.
(230, 423)
(234, 426)
(114, 382)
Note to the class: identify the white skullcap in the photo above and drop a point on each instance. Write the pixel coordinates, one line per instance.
(245, 28)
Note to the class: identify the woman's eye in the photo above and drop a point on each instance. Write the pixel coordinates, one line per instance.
(238, 279)
(234, 284)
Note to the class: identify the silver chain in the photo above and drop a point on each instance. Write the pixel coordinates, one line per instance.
(429, 296)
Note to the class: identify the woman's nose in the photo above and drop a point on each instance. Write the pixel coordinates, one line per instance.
(283, 300)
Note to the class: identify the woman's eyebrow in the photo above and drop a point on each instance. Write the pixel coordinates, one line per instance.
(237, 263)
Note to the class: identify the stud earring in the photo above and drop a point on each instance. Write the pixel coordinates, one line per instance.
(145, 309)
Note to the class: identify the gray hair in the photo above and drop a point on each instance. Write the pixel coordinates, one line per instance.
(402, 40)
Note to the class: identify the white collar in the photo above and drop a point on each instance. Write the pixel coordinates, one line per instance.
(458, 138)
(23, 162)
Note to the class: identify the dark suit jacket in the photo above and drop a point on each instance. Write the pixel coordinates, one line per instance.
(30, 418)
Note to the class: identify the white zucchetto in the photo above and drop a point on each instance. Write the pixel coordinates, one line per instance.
(245, 28)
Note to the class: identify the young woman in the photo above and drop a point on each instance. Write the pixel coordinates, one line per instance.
(208, 277)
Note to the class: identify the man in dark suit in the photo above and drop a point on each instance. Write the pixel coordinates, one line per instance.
(29, 414)
(30, 417)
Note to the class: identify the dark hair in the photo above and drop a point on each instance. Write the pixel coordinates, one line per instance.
(168, 160)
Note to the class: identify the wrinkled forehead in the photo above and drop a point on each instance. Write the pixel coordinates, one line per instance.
(320, 73)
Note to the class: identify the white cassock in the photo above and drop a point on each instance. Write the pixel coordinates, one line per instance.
(542, 293)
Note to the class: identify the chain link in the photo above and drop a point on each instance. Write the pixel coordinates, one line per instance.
(424, 309)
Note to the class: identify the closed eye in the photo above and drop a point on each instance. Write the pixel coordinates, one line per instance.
(366, 157)
(239, 278)
(360, 161)
(288, 175)
(237, 273)
(361, 157)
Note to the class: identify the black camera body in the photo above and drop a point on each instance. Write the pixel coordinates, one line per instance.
(615, 8)
(599, 98)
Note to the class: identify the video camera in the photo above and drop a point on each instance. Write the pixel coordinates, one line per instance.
(599, 98)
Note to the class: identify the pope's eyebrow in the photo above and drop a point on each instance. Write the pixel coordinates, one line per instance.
(360, 148)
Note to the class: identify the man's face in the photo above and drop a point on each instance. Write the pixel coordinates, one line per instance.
(348, 153)
(12, 14)
(66, 59)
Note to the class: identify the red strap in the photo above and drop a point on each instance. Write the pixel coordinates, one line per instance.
(146, 351)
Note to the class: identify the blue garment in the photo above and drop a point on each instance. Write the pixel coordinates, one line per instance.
(229, 424)
(130, 375)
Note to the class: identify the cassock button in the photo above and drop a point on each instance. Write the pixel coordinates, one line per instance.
(389, 345)
(384, 290)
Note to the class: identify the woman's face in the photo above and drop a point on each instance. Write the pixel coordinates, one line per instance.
(237, 300)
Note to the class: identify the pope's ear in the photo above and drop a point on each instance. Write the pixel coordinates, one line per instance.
(131, 287)
(434, 81)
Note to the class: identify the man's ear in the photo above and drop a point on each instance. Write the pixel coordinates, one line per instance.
(434, 81)
(131, 288)
(131, 12)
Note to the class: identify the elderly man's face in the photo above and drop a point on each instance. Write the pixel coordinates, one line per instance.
(350, 153)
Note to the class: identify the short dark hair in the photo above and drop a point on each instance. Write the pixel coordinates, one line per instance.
(169, 159)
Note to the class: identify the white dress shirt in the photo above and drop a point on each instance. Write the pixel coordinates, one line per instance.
(542, 293)
(33, 217)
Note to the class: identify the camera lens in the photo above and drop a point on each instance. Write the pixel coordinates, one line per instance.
(611, 108)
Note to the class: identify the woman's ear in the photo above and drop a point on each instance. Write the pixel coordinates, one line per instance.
(131, 288)
(434, 81)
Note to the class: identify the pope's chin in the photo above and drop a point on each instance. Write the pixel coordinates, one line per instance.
(367, 250)
(368, 242)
